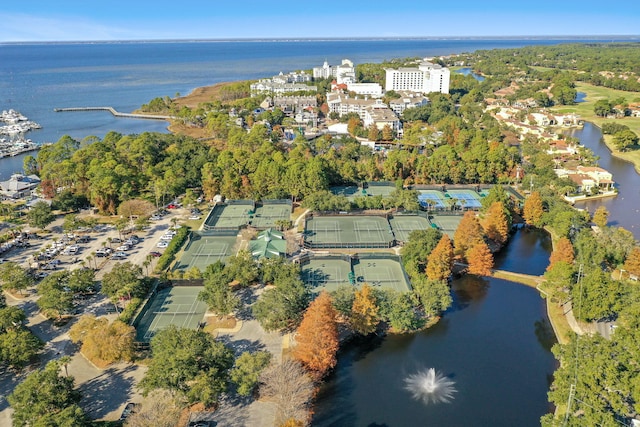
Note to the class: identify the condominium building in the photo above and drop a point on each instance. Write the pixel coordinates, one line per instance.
(426, 78)
(343, 73)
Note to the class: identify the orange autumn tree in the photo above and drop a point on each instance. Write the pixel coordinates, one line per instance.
(468, 233)
(317, 337)
(563, 251)
(364, 311)
(632, 263)
(440, 260)
(533, 209)
(480, 259)
(495, 223)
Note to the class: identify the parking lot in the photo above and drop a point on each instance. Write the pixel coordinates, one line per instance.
(105, 391)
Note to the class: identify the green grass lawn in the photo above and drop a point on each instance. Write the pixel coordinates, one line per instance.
(585, 110)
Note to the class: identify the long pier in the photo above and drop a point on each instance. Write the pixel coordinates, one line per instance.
(115, 113)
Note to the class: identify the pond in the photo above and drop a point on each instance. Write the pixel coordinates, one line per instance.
(494, 343)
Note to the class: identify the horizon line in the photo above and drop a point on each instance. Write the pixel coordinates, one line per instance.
(603, 37)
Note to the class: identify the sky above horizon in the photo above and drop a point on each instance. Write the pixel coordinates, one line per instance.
(86, 20)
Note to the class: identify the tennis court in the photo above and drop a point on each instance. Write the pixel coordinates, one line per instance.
(381, 271)
(177, 306)
(349, 191)
(447, 223)
(465, 198)
(348, 232)
(403, 225)
(432, 200)
(326, 273)
(266, 215)
(229, 215)
(202, 250)
(383, 189)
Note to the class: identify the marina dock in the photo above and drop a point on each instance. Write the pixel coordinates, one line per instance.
(116, 113)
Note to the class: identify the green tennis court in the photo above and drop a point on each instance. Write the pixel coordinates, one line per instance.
(202, 250)
(447, 223)
(326, 273)
(266, 215)
(383, 189)
(381, 272)
(348, 232)
(229, 216)
(178, 305)
(403, 225)
(349, 191)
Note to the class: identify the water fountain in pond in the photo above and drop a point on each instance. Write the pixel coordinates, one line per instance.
(430, 387)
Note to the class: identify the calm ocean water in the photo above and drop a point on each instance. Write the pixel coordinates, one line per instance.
(36, 78)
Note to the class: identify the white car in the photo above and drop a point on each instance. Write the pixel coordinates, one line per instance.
(166, 237)
(123, 248)
(162, 244)
(194, 217)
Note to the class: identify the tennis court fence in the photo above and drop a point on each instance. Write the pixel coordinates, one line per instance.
(244, 202)
(276, 202)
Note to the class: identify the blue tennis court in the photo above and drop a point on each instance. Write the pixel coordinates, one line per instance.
(465, 198)
(431, 199)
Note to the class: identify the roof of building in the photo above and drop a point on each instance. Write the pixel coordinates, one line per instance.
(382, 114)
(268, 244)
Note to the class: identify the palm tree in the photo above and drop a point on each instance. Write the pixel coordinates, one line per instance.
(109, 239)
(65, 360)
(89, 258)
(146, 264)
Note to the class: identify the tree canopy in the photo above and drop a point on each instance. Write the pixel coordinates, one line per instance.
(188, 362)
(46, 398)
(317, 336)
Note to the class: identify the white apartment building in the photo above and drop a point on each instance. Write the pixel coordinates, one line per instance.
(381, 117)
(426, 78)
(343, 104)
(292, 77)
(370, 111)
(407, 100)
(268, 86)
(344, 73)
(370, 89)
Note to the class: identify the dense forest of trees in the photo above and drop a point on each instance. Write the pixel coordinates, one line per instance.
(612, 65)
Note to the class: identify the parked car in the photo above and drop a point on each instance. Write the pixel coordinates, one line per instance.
(194, 217)
(103, 252)
(155, 217)
(155, 254)
(172, 206)
(162, 244)
(116, 240)
(119, 255)
(124, 247)
(166, 237)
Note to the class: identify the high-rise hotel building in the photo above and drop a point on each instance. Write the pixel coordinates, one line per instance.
(426, 78)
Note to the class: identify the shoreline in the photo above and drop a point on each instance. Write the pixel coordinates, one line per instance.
(619, 154)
